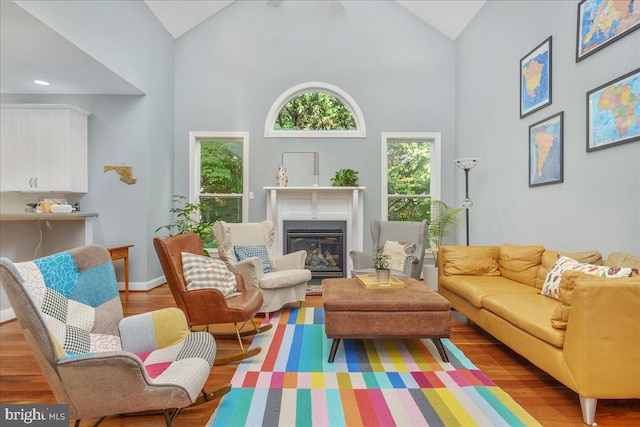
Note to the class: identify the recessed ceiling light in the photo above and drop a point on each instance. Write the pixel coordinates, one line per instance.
(41, 82)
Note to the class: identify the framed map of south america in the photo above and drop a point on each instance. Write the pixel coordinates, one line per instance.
(602, 22)
(535, 79)
(546, 151)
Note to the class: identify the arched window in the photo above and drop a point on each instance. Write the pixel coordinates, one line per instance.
(315, 110)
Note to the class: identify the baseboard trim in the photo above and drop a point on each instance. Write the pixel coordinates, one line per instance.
(8, 313)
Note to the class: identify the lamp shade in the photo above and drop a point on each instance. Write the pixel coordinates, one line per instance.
(466, 163)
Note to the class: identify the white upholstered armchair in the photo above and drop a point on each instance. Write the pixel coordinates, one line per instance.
(246, 249)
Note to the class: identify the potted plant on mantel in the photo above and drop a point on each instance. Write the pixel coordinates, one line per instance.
(381, 265)
(345, 178)
(444, 219)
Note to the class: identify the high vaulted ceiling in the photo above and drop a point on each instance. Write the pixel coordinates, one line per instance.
(448, 16)
(30, 50)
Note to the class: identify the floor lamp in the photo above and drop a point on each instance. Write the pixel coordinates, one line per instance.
(466, 165)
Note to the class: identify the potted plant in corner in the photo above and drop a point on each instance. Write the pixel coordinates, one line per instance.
(381, 265)
(345, 178)
(444, 219)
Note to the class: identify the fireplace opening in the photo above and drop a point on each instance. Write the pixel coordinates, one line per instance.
(324, 243)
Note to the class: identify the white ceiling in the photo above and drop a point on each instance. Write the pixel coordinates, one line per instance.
(448, 16)
(31, 50)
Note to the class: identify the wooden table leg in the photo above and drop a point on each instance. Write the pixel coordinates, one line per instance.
(334, 348)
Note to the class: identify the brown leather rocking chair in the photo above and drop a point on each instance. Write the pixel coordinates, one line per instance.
(209, 306)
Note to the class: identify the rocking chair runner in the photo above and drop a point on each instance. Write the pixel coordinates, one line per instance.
(96, 361)
(208, 306)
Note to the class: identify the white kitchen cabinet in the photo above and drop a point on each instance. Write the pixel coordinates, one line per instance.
(43, 148)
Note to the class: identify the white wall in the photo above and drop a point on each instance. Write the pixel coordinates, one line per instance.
(598, 204)
(232, 67)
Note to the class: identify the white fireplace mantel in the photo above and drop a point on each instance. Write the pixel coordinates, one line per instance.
(317, 203)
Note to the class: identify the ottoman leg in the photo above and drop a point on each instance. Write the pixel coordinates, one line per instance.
(440, 347)
(334, 348)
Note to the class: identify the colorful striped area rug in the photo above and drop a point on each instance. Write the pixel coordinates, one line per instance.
(370, 383)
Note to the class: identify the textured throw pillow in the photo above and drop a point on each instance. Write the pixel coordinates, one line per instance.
(552, 284)
(201, 272)
(398, 252)
(520, 263)
(244, 252)
(471, 260)
(550, 257)
(570, 280)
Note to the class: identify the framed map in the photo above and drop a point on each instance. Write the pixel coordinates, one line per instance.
(535, 79)
(602, 22)
(545, 151)
(613, 112)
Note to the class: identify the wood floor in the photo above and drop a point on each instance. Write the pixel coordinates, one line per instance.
(548, 401)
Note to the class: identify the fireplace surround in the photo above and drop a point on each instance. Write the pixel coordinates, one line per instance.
(318, 205)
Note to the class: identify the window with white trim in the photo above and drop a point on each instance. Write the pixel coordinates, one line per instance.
(218, 169)
(315, 110)
(410, 175)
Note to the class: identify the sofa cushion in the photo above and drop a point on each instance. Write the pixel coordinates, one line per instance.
(621, 259)
(570, 280)
(520, 263)
(475, 288)
(554, 278)
(471, 260)
(528, 311)
(398, 253)
(549, 258)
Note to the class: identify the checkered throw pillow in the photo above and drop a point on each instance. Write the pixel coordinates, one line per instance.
(201, 272)
(244, 252)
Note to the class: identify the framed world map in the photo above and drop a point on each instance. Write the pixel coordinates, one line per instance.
(613, 112)
(602, 22)
(535, 79)
(546, 151)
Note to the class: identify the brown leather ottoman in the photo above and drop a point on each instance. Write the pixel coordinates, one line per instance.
(352, 311)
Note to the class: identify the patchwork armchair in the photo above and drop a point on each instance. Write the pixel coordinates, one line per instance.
(205, 306)
(96, 361)
(246, 249)
(406, 240)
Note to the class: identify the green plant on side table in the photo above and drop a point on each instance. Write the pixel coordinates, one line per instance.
(381, 265)
(444, 220)
(188, 220)
(345, 178)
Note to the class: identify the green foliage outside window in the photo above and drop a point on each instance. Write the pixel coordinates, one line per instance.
(315, 111)
(408, 174)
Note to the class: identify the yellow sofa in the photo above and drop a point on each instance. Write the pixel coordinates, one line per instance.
(588, 339)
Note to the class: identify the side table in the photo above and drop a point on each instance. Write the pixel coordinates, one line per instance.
(122, 252)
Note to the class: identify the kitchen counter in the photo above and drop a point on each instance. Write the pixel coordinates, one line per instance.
(33, 216)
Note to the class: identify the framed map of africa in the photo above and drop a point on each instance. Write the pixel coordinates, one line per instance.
(535, 79)
(602, 22)
(613, 112)
(545, 151)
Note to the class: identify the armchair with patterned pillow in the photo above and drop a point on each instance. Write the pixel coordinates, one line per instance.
(403, 241)
(246, 249)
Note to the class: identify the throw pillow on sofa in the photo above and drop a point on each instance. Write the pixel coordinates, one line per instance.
(201, 272)
(244, 252)
(570, 280)
(551, 286)
(472, 260)
(398, 252)
(520, 263)
(550, 257)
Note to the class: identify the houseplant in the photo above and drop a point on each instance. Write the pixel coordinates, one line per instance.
(444, 219)
(345, 178)
(381, 265)
(187, 220)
